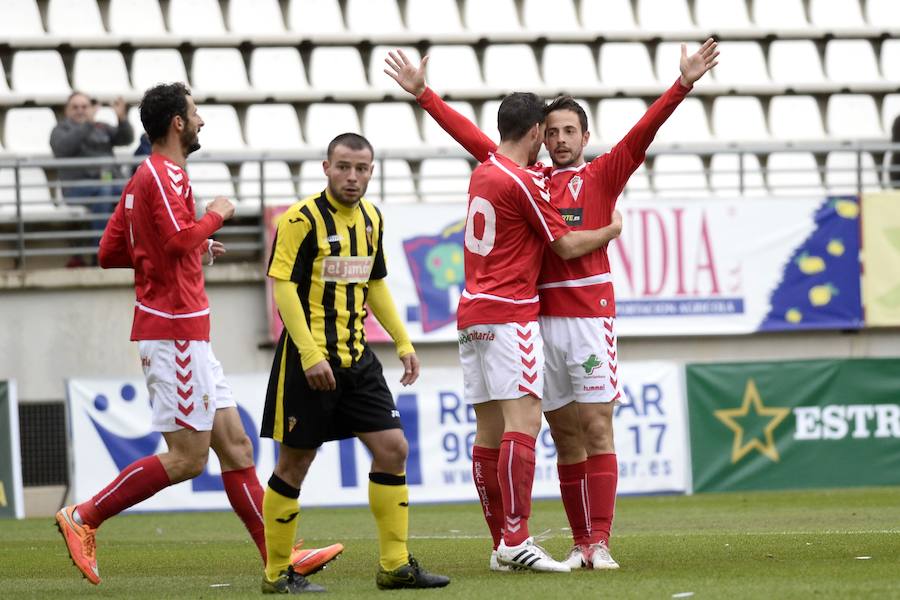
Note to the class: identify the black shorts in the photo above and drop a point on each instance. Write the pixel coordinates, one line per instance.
(300, 417)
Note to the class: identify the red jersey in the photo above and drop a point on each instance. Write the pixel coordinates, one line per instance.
(585, 195)
(154, 231)
(508, 226)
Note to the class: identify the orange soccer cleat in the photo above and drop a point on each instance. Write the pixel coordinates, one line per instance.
(80, 541)
(312, 560)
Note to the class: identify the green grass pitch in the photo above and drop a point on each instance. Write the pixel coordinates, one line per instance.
(754, 545)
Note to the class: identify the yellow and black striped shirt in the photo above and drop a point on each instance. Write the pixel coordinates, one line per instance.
(331, 252)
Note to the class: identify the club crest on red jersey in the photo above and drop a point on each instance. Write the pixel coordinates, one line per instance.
(574, 186)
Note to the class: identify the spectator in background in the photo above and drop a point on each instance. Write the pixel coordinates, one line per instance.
(894, 173)
(79, 136)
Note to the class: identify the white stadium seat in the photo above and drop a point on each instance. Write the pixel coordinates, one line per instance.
(444, 179)
(325, 120)
(437, 138)
(136, 18)
(883, 14)
(569, 66)
(192, 18)
(616, 116)
(433, 17)
(679, 176)
(607, 15)
(40, 73)
(497, 16)
(21, 19)
(315, 17)
(377, 77)
(796, 63)
(836, 14)
(795, 118)
(745, 67)
(638, 186)
(734, 175)
(779, 15)
(5, 93)
(221, 129)
(550, 16)
(719, 15)
(277, 71)
(219, 71)
(398, 182)
(626, 64)
(100, 73)
(890, 110)
(391, 125)
(312, 178)
(336, 69)
(35, 193)
(278, 185)
(27, 130)
(511, 67)
(687, 124)
(454, 68)
(668, 61)
(488, 120)
(208, 180)
(890, 60)
(255, 17)
(853, 116)
(152, 66)
(664, 15)
(366, 17)
(794, 174)
(739, 119)
(273, 127)
(841, 172)
(74, 19)
(851, 62)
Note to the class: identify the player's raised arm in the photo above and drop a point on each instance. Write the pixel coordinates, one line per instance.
(412, 79)
(583, 241)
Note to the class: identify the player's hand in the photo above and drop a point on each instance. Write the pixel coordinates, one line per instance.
(410, 368)
(320, 377)
(221, 205)
(407, 75)
(693, 67)
(615, 225)
(120, 108)
(215, 250)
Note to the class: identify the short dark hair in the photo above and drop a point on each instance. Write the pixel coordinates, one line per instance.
(569, 103)
(160, 105)
(354, 141)
(518, 113)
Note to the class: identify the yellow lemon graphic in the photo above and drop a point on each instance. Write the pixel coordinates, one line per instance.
(835, 247)
(810, 265)
(820, 295)
(846, 208)
(793, 315)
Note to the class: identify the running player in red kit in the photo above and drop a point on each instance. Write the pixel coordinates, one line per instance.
(154, 231)
(577, 305)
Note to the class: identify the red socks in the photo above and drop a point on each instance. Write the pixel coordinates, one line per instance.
(246, 496)
(515, 470)
(484, 474)
(137, 482)
(573, 489)
(602, 475)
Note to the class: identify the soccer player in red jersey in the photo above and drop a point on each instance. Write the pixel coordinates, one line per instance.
(577, 305)
(508, 226)
(154, 231)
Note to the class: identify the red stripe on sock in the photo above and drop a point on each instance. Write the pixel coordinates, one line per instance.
(487, 484)
(137, 482)
(246, 497)
(572, 489)
(516, 474)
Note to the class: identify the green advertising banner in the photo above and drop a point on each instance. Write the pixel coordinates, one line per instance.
(11, 503)
(794, 424)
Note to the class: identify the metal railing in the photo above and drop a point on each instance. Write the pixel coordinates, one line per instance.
(42, 215)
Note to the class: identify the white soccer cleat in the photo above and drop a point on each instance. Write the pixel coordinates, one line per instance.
(578, 557)
(529, 555)
(495, 564)
(601, 558)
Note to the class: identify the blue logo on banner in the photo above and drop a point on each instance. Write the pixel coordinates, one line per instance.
(436, 264)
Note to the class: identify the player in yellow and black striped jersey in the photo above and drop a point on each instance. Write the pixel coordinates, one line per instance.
(328, 264)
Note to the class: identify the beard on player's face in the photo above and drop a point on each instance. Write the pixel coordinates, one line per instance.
(190, 141)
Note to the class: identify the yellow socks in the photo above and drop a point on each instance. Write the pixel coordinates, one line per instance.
(281, 511)
(389, 502)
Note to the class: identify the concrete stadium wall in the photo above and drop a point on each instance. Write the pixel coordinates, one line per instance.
(57, 324)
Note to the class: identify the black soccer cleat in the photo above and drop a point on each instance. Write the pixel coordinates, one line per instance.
(409, 576)
(290, 582)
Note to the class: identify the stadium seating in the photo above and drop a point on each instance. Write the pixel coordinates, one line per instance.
(795, 118)
(433, 17)
(614, 16)
(101, 73)
(739, 119)
(436, 137)
(136, 19)
(339, 69)
(794, 174)
(498, 73)
(278, 185)
(373, 16)
(273, 127)
(324, 121)
(454, 69)
(255, 17)
(626, 65)
(616, 116)
(210, 179)
(391, 125)
(736, 175)
(152, 66)
(195, 18)
(378, 79)
(27, 130)
(221, 130)
(278, 72)
(21, 20)
(40, 75)
(549, 16)
(570, 68)
(392, 182)
(841, 172)
(74, 18)
(499, 16)
(679, 176)
(444, 179)
(315, 17)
